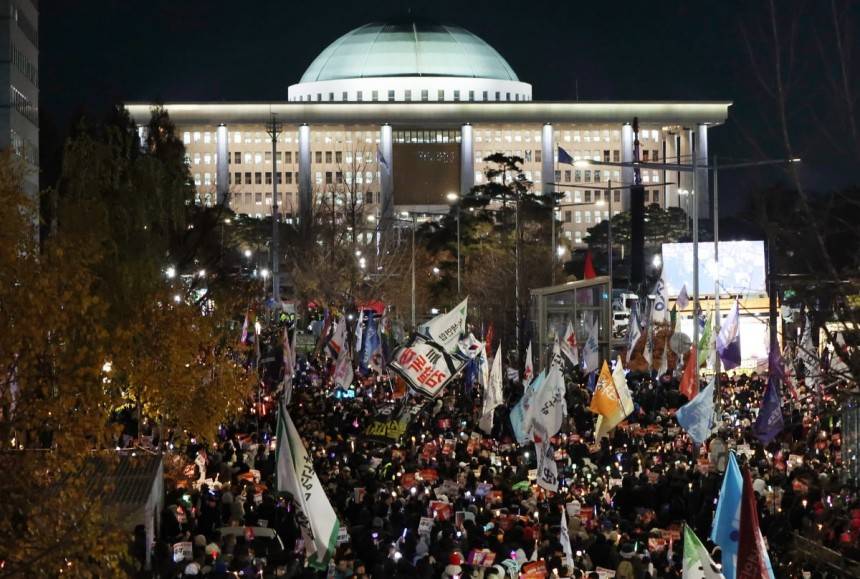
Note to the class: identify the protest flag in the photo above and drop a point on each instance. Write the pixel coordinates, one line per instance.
(729, 339)
(725, 531)
(591, 350)
(564, 539)
(606, 403)
(529, 368)
(296, 476)
(569, 346)
(338, 339)
(697, 562)
(588, 269)
(752, 559)
(660, 305)
(683, 298)
(634, 332)
(770, 421)
(493, 394)
(706, 342)
(689, 386)
(696, 416)
(359, 331)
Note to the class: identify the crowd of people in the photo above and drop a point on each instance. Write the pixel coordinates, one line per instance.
(441, 498)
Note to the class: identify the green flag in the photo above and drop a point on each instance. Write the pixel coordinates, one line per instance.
(697, 562)
(706, 341)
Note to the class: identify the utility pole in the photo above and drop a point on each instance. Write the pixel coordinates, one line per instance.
(274, 130)
(637, 217)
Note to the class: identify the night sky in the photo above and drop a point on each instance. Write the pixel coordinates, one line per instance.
(99, 52)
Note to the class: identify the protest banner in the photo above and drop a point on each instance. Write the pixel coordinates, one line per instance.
(425, 366)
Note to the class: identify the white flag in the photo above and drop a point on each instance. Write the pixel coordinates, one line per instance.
(569, 347)
(547, 407)
(660, 307)
(295, 475)
(564, 539)
(359, 330)
(620, 380)
(634, 332)
(648, 353)
(343, 373)
(446, 329)
(664, 358)
(547, 475)
(337, 342)
(683, 298)
(493, 395)
(591, 350)
(529, 369)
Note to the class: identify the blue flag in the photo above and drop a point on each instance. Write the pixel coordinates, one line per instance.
(592, 381)
(769, 423)
(564, 157)
(697, 415)
(371, 353)
(727, 520)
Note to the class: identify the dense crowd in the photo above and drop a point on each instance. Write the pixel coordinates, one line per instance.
(443, 499)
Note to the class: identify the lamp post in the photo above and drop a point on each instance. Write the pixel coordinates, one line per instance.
(454, 198)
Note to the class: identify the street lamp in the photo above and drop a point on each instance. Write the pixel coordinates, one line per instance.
(454, 198)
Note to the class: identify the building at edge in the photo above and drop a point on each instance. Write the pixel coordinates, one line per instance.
(399, 115)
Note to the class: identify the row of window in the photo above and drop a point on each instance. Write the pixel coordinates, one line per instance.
(422, 95)
(576, 216)
(288, 178)
(23, 105)
(24, 66)
(259, 198)
(426, 136)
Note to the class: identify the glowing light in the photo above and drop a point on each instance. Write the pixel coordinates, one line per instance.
(170, 272)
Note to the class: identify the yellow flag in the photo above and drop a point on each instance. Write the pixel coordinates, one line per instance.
(606, 403)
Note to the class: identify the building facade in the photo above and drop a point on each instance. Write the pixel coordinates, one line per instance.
(19, 105)
(399, 115)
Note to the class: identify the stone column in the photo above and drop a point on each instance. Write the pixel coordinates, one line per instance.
(670, 145)
(385, 163)
(703, 189)
(626, 172)
(467, 159)
(547, 171)
(222, 170)
(306, 199)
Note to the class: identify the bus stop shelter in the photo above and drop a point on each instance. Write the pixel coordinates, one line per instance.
(552, 307)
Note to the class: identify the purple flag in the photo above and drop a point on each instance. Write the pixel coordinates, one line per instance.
(770, 422)
(729, 339)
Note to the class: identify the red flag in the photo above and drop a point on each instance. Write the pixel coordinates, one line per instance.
(588, 270)
(752, 556)
(488, 339)
(690, 380)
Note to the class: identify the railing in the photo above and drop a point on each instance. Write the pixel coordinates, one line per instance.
(818, 553)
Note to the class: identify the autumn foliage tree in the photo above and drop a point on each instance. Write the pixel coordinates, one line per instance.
(91, 326)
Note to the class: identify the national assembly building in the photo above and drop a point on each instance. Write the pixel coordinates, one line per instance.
(402, 115)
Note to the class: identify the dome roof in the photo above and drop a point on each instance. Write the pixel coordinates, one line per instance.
(408, 49)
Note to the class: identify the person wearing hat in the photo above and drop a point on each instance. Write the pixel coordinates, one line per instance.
(629, 567)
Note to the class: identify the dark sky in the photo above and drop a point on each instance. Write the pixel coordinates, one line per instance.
(97, 52)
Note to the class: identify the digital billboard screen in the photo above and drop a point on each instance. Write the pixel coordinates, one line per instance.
(742, 267)
(424, 173)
